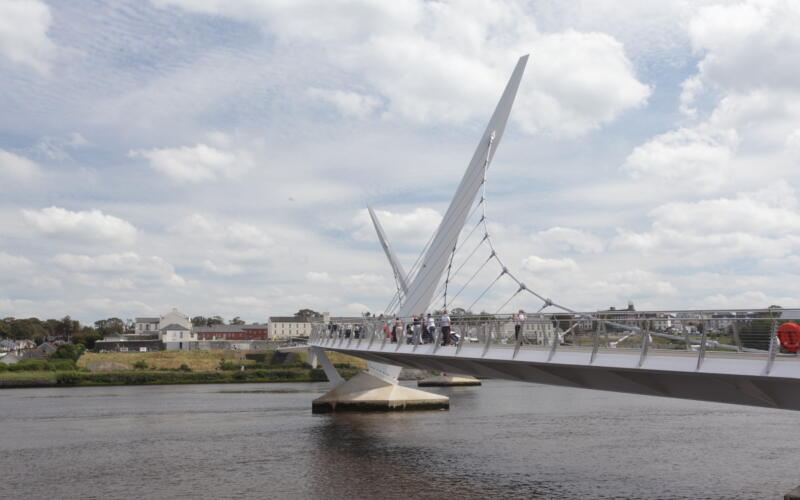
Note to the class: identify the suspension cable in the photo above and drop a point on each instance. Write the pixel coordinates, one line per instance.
(471, 278)
(502, 273)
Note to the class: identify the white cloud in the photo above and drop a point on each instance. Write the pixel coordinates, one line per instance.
(13, 264)
(564, 239)
(198, 163)
(750, 57)
(88, 226)
(237, 234)
(538, 264)
(134, 268)
(760, 224)
(366, 281)
(413, 227)
(318, 277)
(444, 62)
(17, 168)
(222, 268)
(699, 160)
(349, 104)
(23, 33)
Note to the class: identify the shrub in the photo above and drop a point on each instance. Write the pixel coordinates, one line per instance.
(62, 365)
(184, 368)
(30, 365)
(67, 351)
(229, 365)
(3, 367)
(140, 365)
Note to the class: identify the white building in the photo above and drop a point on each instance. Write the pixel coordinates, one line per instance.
(145, 325)
(285, 327)
(174, 317)
(177, 337)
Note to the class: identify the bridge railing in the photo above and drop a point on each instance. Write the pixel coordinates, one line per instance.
(706, 332)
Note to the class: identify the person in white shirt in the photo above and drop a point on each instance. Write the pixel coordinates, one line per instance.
(431, 324)
(519, 320)
(444, 322)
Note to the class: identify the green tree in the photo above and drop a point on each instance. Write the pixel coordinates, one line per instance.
(86, 337)
(109, 326)
(199, 321)
(308, 314)
(30, 328)
(67, 351)
(237, 321)
(215, 320)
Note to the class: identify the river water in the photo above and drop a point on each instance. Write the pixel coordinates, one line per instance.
(502, 440)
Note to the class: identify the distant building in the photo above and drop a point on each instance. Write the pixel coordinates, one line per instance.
(25, 344)
(145, 325)
(286, 327)
(254, 331)
(154, 325)
(48, 348)
(177, 337)
(174, 317)
(10, 359)
(130, 343)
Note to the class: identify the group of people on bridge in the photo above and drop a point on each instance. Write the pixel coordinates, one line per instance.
(420, 330)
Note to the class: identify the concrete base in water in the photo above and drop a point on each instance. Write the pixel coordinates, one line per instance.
(792, 495)
(445, 380)
(365, 392)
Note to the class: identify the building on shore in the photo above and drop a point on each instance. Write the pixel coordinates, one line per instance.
(130, 343)
(255, 331)
(287, 327)
(177, 337)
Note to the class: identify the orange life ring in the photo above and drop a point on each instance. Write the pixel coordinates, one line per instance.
(789, 335)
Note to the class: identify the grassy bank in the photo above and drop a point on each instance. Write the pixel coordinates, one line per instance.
(193, 367)
(199, 360)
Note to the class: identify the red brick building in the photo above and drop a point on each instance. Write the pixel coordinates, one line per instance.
(231, 332)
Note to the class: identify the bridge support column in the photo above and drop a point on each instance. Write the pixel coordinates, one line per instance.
(376, 390)
(448, 380)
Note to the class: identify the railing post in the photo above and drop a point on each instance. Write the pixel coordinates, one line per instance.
(596, 342)
(488, 338)
(437, 339)
(773, 346)
(701, 354)
(464, 330)
(736, 337)
(518, 340)
(554, 345)
(371, 335)
(645, 344)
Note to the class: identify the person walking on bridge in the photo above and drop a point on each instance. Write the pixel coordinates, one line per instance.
(431, 328)
(444, 322)
(519, 320)
(397, 329)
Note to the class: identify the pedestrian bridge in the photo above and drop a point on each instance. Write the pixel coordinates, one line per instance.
(723, 356)
(585, 350)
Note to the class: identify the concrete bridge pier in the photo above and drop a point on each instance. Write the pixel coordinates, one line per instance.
(375, 390)
(448, 380)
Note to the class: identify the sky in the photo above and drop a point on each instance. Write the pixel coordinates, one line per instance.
(218, 156)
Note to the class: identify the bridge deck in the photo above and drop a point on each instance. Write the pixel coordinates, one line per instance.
(733, 377)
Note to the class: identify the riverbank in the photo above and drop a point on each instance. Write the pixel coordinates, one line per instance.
(81, 378)
(198, 367)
